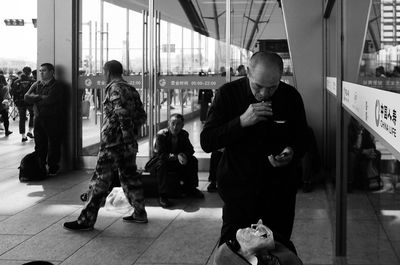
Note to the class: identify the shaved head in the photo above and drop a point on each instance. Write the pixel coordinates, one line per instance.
(269, 60)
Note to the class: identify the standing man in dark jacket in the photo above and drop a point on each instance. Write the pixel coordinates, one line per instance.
(18, 91)
(47, 96)
(123, 117)
(261, 123)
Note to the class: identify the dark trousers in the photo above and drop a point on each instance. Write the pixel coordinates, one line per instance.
(214, 161)
(171, 173)
(48, 134)
(275, 205)
(4, 116)
(22, 117)
(360, 169)
(203, 111)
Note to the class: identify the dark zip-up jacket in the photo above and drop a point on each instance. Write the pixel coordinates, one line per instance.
(244, 169)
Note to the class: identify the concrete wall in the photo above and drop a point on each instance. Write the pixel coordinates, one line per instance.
(303, 24)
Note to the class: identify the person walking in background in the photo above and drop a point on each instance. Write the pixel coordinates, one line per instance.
(261, 124)
(4, 104)
(123, 117)
(18, 91)
(47, 95)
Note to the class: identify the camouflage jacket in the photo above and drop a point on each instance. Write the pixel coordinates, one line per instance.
(123, 115)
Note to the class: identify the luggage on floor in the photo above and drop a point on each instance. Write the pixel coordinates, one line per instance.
(31, 169)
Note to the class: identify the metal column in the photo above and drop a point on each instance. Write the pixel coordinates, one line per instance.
(341, 180)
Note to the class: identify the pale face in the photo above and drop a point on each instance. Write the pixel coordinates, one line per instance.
(263, 82)
(45, 74)
(175, 125)
(255, 238)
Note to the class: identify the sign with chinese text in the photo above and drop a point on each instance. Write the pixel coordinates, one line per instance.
(377, 108)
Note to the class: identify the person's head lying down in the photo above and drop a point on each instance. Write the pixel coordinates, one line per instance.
(255, 245)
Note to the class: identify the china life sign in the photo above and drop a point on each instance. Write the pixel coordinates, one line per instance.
(377, 108)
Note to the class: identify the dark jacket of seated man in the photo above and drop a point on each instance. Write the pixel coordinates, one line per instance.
(174, 161)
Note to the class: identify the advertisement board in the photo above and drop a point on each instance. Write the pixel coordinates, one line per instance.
(377, 108)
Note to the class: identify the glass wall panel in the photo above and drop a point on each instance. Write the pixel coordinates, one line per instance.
(105, 35)
(373, 170)
(190, 59)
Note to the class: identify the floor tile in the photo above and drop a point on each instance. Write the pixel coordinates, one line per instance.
(392, 229)
(370, 250)
(3, 217)
(159, 219)
(19, 262)
(313, 241)
(189, 239)
(35, 219)
(55, 243)
(8, 242)
(109, 251)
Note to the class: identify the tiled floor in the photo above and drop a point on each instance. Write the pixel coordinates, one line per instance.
(31, 217)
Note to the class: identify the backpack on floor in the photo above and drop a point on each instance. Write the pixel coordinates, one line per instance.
(30, 168)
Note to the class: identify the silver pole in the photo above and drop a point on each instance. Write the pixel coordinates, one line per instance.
(95, 71)
(192, 50)
(144, 66)
(101, 32)
(158, 70)
(151, 75)
(127, 41)
(95, 47)
(228, 41)
(106, 41)
(200, 60)
(168, 47)
(90, 47)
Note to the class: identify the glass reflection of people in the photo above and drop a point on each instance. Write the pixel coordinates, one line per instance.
(261, 124)
(364, 159)
(241, 70)
(380, 72)
(205, 97)
(256, 244)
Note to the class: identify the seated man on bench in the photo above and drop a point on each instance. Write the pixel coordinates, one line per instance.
(173, 163)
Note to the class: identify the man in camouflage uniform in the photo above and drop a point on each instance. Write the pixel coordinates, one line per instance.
(123, 116)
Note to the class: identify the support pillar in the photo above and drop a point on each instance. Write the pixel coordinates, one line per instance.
(58, 44)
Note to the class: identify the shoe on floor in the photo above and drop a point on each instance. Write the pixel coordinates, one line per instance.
(212, 187)
(196, 194)
(30, 135)
(24, 139)
(164, 202)
(8, 133)
(75, 226)
(136, 218)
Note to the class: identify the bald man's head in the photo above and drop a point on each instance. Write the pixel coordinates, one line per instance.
(268, 60)
(265, 71)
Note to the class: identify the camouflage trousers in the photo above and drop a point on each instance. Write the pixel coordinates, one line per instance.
(112, 163)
